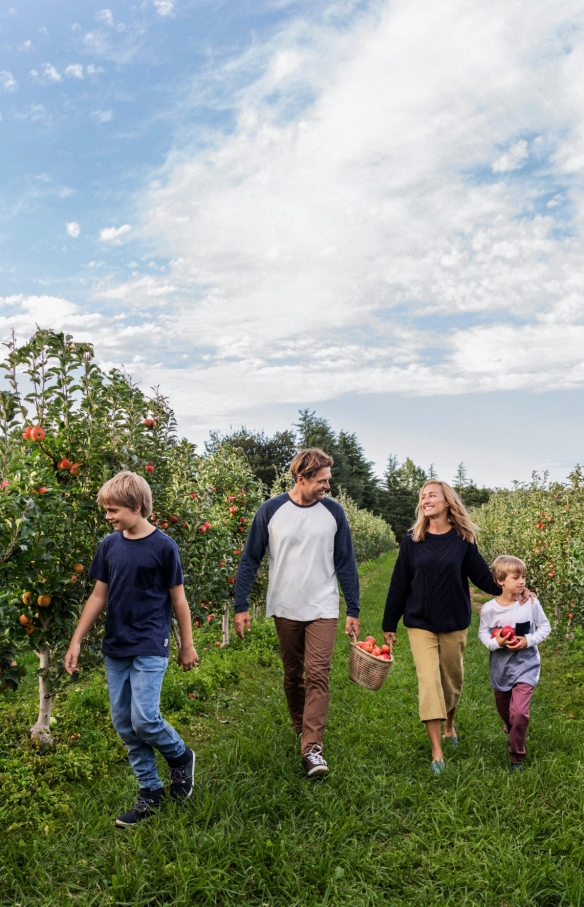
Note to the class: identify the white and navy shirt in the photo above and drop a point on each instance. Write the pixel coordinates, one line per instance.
(527, 619)
(308, 549)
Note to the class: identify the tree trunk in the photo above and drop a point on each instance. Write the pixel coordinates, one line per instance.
(41, 731)
(225, 627)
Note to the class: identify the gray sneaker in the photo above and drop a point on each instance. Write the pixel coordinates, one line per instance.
(313, 761)
(148, 802)
(182, 777)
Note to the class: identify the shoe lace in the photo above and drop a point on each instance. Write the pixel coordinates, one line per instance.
(315, 753)
(178, 775)
(143, 804)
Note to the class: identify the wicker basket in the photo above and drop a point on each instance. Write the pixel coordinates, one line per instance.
(365, 669)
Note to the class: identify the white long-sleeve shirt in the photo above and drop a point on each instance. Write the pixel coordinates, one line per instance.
(528, 620)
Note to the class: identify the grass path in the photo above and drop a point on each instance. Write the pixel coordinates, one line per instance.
(380, 830)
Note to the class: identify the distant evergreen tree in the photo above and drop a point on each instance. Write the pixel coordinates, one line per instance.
(470, 493)
(400, 494)
(351, 471)
(267, 456)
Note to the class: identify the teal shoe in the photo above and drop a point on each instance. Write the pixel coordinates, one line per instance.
(453, 741)
(438, 766)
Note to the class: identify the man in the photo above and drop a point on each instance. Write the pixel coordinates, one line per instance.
(309, 546)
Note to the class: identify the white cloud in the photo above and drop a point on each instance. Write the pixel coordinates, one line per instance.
(164, 7)
(26, 45)
(74, 71)
(49, 74)
(114, 235)
(106, 17)
(103, 116)
(7, 81)
(343, 244)
(514, 159)
(73, 229)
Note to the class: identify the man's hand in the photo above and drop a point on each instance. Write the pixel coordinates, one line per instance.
(352, 626)
(187, 657)
(242, 622)
(71, 657)
(390, 639)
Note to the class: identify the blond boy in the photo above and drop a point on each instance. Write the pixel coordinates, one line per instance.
(511, 630)
(139, 579)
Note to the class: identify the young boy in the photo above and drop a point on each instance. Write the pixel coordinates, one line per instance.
(514, 658)
(138, 578)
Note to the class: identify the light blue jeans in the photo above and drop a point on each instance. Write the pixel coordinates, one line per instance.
(134, 686)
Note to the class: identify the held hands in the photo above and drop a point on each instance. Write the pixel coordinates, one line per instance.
(242, 622)
(187, 657)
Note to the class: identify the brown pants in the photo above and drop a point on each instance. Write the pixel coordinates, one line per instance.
(439, 665)
(307, 652)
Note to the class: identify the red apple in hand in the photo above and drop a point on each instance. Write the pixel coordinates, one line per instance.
(494, 632)
(508, 631)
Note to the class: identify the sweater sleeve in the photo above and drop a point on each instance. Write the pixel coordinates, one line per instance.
(251, 558)
(346, 565)
(479, 572)
(543, 626)
(399, 589)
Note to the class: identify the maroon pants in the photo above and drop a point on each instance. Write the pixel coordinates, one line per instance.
(513, 707)
(307, 651)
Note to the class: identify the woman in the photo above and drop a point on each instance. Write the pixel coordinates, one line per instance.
(429, 589)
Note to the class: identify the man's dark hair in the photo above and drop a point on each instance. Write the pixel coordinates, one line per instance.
(307, 462)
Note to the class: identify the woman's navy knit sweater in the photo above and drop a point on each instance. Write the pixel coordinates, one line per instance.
(429, 585)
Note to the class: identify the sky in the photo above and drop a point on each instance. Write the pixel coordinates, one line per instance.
(371, 209)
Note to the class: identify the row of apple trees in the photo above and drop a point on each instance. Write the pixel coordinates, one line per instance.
(66, 428)
(544, 526)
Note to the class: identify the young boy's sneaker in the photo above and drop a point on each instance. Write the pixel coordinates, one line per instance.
(313, 761)
(182, 776)
(147, 803)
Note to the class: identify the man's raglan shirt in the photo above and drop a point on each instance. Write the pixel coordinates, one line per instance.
(308, 548)
(139, 573)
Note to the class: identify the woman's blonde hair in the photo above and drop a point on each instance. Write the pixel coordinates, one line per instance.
(457, 514)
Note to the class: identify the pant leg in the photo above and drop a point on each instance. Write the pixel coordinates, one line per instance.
(425, 649)
(291, 638)
(519, 720)
(140, 754)
(503, 701)
(451, 649)
(319, 643)
(146, 678)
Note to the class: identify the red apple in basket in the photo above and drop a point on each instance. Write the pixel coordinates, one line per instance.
(386, 650)
(371, 639)
(385, 656)
(376, 651)
(367, 646)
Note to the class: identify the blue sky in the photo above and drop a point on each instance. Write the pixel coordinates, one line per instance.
(372, 209)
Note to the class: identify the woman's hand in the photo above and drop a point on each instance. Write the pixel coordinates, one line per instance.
(390, 639)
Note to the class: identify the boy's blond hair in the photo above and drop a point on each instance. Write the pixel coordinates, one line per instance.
(505, 564)
(127, 490)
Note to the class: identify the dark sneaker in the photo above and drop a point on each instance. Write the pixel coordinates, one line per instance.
(517, 766)
(313, 761)
(147, 803)
(182, 777)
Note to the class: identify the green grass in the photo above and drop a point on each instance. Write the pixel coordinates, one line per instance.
(380, 829)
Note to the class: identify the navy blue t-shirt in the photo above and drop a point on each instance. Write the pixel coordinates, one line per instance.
(139, 573)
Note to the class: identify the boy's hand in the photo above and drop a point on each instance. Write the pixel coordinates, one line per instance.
(71, 658)
(519, 642)
(502, 640)
(187, 657)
